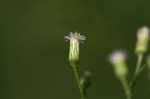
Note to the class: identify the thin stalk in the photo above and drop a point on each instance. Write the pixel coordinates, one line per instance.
(139, 62)
(138, 70)
(136, 76)
(133, 80)
(77, 77)
(126, 88)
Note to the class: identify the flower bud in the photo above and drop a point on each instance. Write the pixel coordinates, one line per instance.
(142, 40)
(117, 59)
(74, 45)
(85, 81)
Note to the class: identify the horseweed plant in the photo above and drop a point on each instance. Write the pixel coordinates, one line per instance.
(83, 81)
(117, 59)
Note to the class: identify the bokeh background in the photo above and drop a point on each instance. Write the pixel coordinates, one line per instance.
(33, 59)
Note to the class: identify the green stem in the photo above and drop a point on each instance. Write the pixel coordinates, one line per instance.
(133, 80)
(126, 88)
(138, 70)
(139, 62)
(77, 77)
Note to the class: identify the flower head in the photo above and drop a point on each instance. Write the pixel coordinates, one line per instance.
(143, 33)
(117, 59)
(142, 40)
(76, 36)
(74, 45)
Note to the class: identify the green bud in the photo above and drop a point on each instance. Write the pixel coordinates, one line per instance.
(121, 70)
(85, 81)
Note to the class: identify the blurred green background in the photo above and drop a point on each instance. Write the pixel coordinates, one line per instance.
(33, 57)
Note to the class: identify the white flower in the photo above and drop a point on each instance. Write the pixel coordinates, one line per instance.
(74, 45)
(142, 40)
(76, 36)
(117, 57)
(143, 33)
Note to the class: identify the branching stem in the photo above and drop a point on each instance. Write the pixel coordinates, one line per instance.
(139, 62)
(77, 77)
(138, 70)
